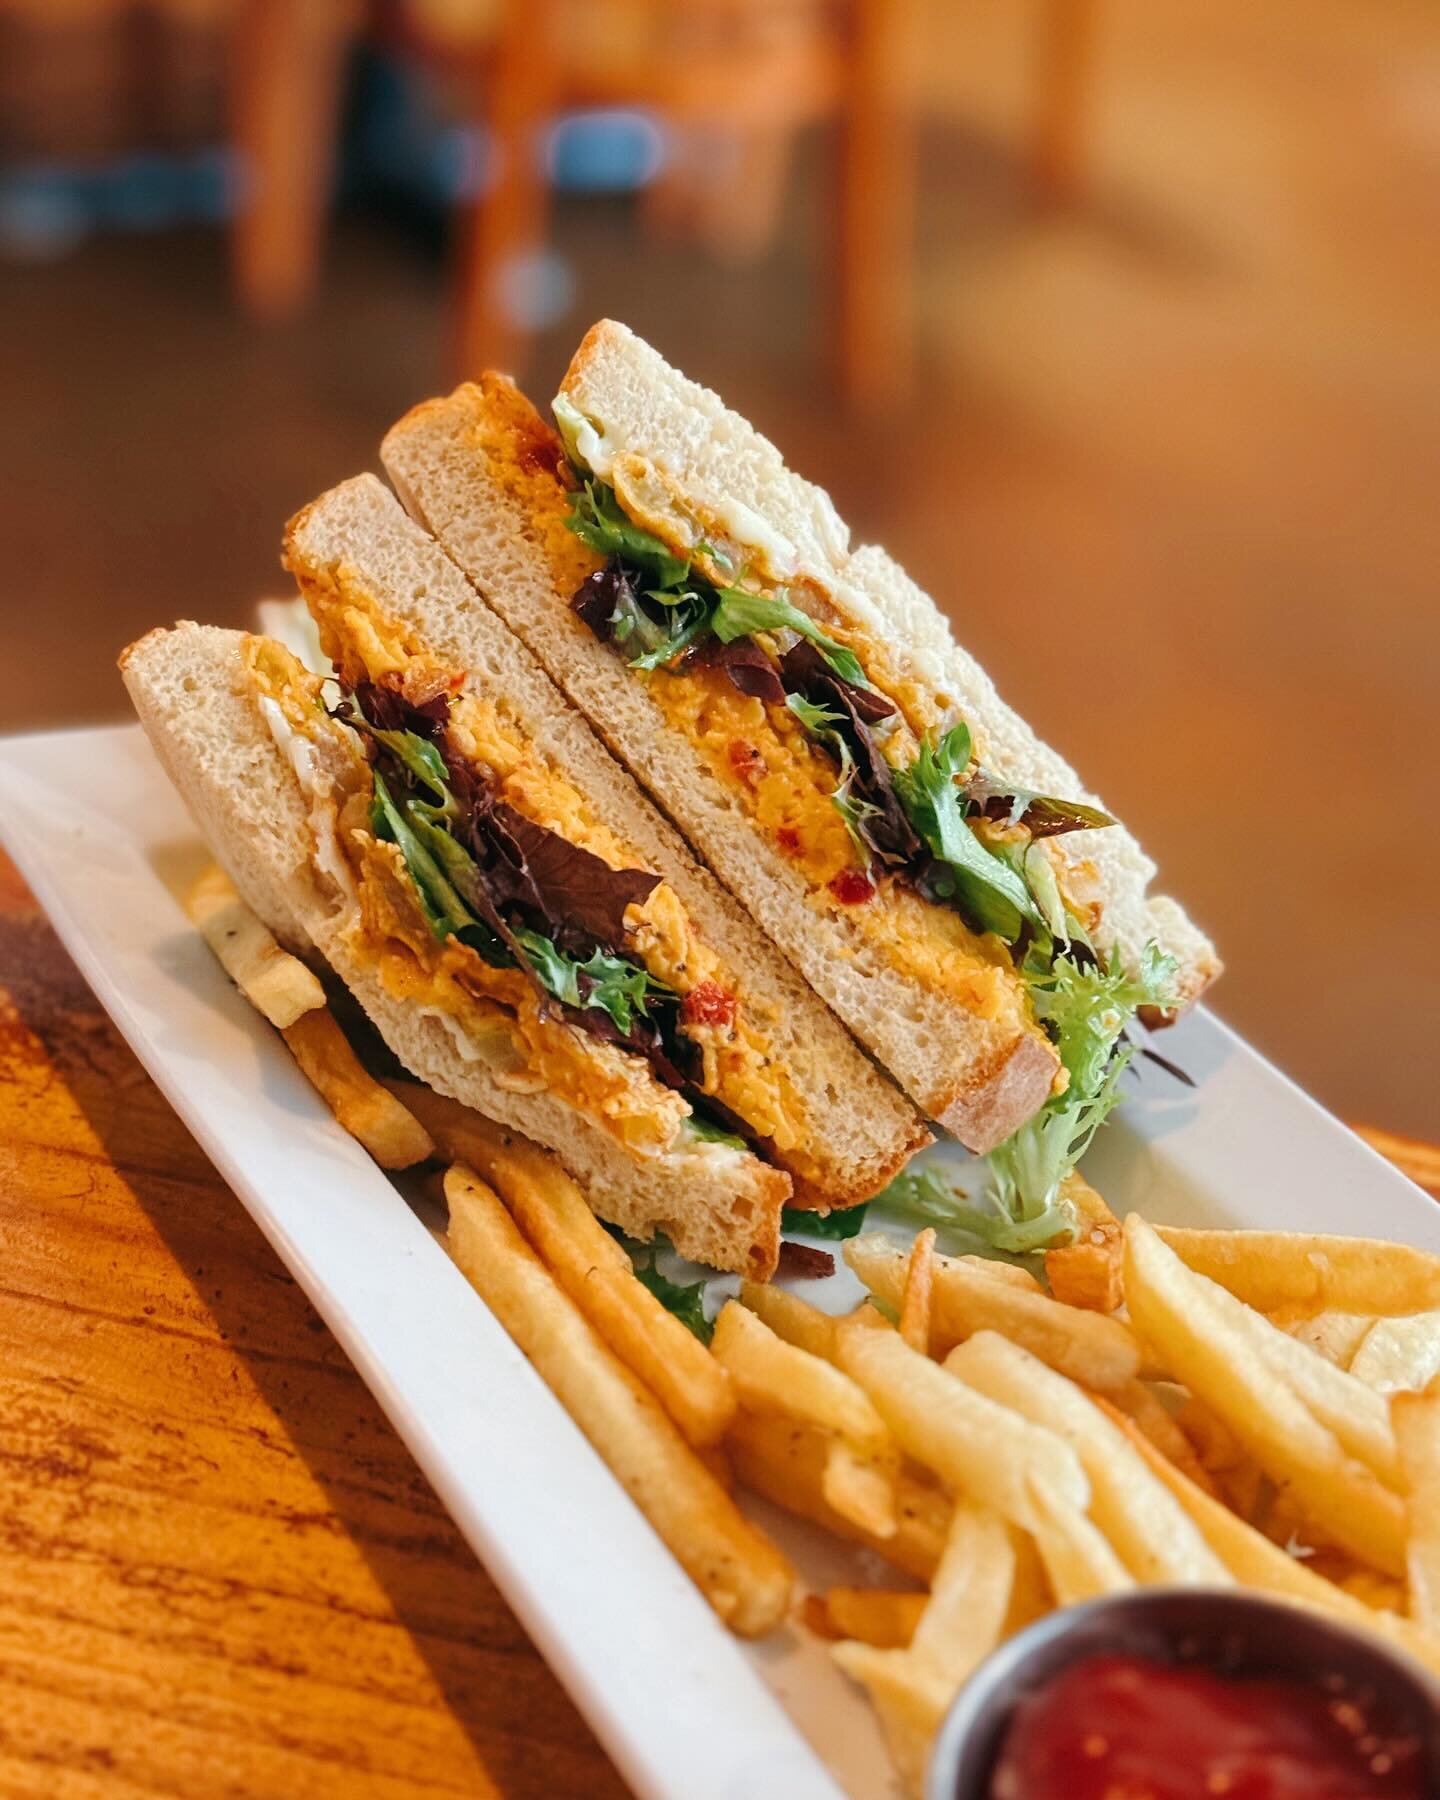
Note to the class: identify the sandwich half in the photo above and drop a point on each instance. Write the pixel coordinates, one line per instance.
(803, 713)
(526, 932)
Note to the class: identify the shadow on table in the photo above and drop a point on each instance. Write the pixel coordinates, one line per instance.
(524, 1728)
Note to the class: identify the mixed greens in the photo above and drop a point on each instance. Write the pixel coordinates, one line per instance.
(963, 837)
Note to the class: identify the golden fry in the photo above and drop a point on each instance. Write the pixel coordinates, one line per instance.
(369, 1112)
(883, 1617)
(1257, 1563)
(1088, 1272)
(915, 1306)
(861, 1489)
(1079, 1562)
(1139, 1516)
(790, 1317)
(1417, 1429)
(1097, 1351)
(276, 984)
(1334, 1335)
(596, 1273)
(772, 1376)
(1176, 1311)
(969, 1597)
(786, 1464)
(1140, 1403)
(1274, 1270)
(740, 1572)
(1399, 1355)
(976, 1447)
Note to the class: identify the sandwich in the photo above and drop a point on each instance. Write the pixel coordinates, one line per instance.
(803, 713)
(441, 828)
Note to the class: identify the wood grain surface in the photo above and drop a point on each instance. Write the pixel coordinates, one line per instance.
(221, 1573)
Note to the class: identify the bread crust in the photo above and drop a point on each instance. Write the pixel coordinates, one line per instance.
(192, 694)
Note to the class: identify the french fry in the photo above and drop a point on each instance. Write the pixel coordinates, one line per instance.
(1175, 1310)
(740, 1572)
(883, 1617)
(912, 1688)
(860, 1489)
(910, 1700)
(1140, 1403)
(275, 983)
(1088, 1272)
(369, 1112)
(1417, 1430)
(1079, 1563)
(1379, 1592)
(1275, 1270)
(1145, 1525)
(1257, 1563)
(995, 1270)
(594, 1271)
(915, 1306)
(969, 1597)
(1399, 1355)
(774, 1377)
(977, 1448)
(1354, 1412)
(1334, 1335)
(785, 1464)
(1097, 1351)
(1030, 1593)
(790, 1317)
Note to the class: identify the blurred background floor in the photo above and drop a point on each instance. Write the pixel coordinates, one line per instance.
(1171, 468)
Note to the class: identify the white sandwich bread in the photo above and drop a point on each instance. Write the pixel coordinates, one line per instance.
(803, 713)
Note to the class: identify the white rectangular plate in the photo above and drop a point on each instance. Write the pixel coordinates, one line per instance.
(684, 1709)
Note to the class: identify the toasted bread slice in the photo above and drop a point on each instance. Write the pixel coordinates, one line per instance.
(486, 473)
(264, 796)
(381, 592)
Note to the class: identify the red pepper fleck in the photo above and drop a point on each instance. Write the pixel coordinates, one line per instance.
(788, 839)
(745, 760)
(708, 1003)
(852, 887)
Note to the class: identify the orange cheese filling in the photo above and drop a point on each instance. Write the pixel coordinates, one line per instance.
(785, 781)
(737, 1065)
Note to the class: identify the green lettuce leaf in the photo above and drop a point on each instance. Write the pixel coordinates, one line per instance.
(987, 888)
(821, 722)
(446, 912)
(686, 1299)
(711, 1133)
(1087, 1007)
(443, 871)
(844, 1223)
(598, 519)
(924, 1195)
(739, 613)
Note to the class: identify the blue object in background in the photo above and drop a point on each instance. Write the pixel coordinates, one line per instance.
(397, 152)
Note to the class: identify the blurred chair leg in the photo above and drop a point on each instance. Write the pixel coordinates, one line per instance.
(504, 225)
(875, 273)
(285, 97)
(1064, 64)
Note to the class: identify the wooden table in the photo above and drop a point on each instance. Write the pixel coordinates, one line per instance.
(221, 1573)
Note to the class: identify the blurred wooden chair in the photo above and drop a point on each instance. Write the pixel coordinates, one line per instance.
(733, 81)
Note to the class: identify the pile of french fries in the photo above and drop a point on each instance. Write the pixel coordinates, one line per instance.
(1171, 1407)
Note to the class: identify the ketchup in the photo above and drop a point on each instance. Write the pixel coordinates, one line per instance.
(1122, 1728)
